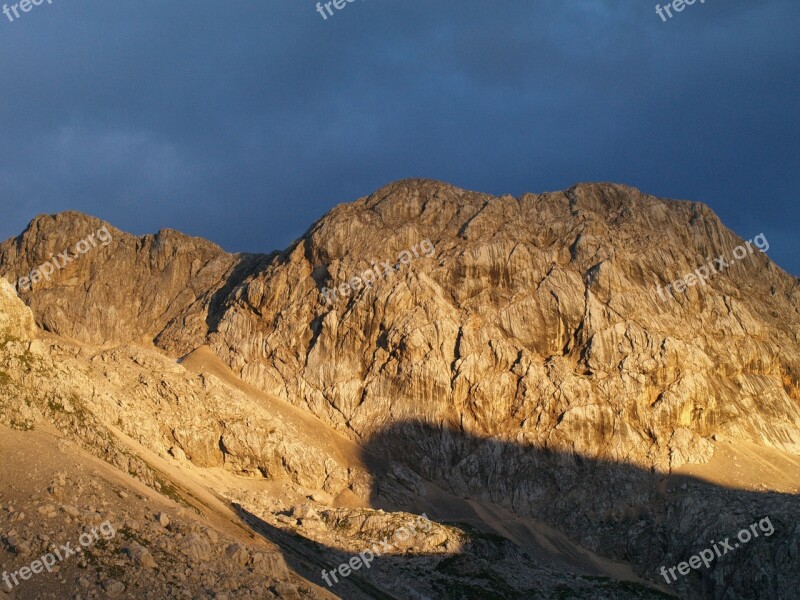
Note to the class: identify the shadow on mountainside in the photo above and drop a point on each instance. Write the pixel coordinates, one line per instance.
(617, 510)
(246, 265)
(553, 506)
(485, 567)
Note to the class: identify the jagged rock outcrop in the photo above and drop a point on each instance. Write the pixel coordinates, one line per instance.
(114, 287)
(16, 319)
(536, 319)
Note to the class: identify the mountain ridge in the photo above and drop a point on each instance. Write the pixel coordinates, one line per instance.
(532, 332)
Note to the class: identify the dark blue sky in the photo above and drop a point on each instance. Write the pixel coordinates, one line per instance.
(245, 121)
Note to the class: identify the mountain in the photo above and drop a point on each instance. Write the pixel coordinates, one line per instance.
(516, 368)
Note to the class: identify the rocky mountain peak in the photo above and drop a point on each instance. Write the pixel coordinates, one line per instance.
(545, 357)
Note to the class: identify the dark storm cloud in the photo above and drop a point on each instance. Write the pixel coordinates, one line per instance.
(244, 122)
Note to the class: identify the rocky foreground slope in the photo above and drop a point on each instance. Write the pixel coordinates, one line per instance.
(512, 366)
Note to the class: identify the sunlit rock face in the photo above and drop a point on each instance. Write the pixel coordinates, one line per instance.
(113, 287)
(541, 319)
(537, 319)
(521, 351)
(16, 319)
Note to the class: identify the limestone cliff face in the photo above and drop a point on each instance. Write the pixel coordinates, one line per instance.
(16, 319)
(536, 319)
(122, 287)
(530, 361)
